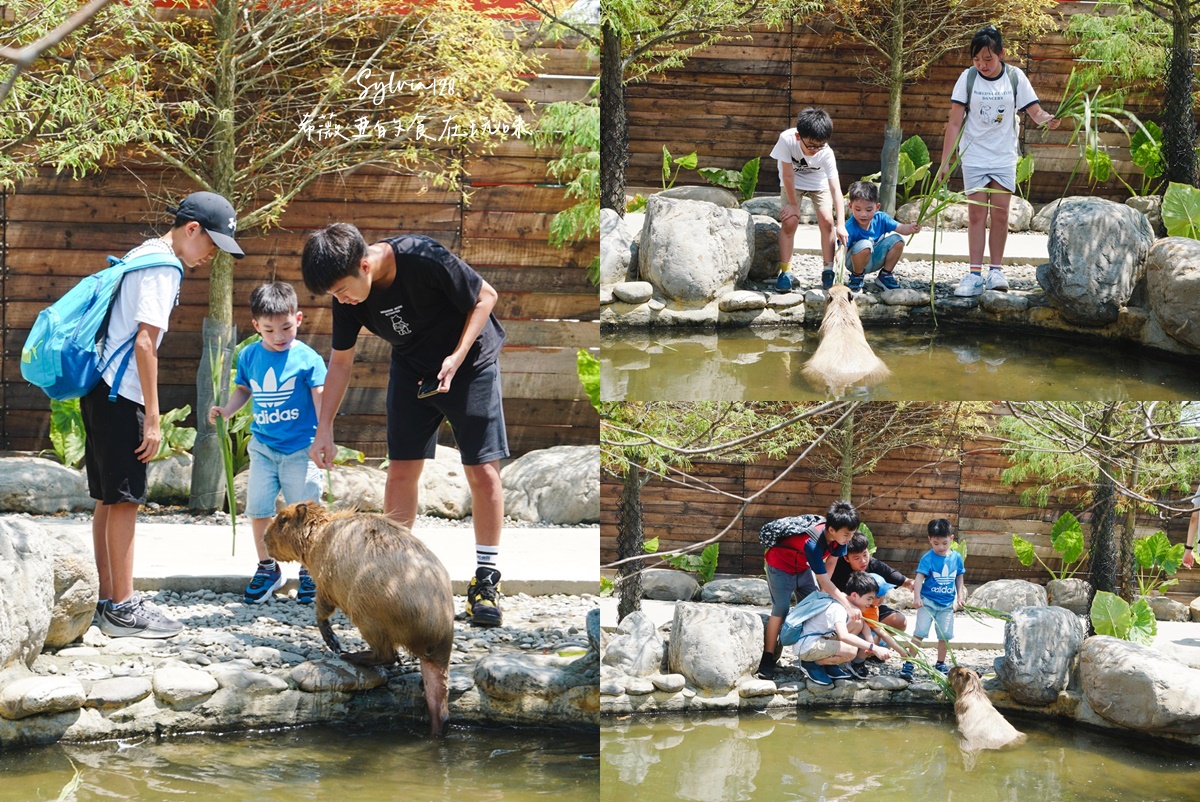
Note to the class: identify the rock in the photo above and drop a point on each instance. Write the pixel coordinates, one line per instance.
(886, 682)
(558, 485)
(593, 629)
(816, 301)
(336, 675)
(905, 296)
(1072, 594)
(76, 589)
(667, 584)
(1020, 214)
(669, 683)
(765, 264)
(264, 656)
(247, 682)
(1097, 254)
(1139, 687)
(785, 300)
(1041, 220)
(1173, 288)
(694, 252)
(612, 687)
(1167, 609)
(633, 292)
(518, 677)
(764, 206)
(109, 694)
(31, 696)
(1194, 606)
(1003, 302)
(637, 650)
(444, 490)
(751, 688)
(744, 590)
(178, 685)
(1041, 645)
(1008, 594)
(739, 300)
(1151, 206)
(26, 589)
(357, 486)
(638, 686)
(714, 647)
(606, 295)
(953, 216)
(41, 486)
(715, 195)
(900, 598)
(169, 480)
(618, 238)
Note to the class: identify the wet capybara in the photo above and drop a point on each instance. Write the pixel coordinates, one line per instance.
(844, 357)
(389, 584)
(980, 723)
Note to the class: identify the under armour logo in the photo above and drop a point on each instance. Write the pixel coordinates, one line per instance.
(232, 224)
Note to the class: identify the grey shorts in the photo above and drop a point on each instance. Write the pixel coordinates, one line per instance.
(977, 178)
(822, 199)
(782, 585)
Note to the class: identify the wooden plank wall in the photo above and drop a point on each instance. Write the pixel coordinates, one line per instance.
(897, 500)
(57, 229)
(729, 103)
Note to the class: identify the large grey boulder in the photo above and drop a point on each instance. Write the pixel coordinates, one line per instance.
(1139, 687)
(637, 649)
(765, 264)
(1151, 206)
(667, 584)
(1173, 287)
(1008, 594)
(26, 590)
(1098, 252)
(618, 245)
(76, 588)
(714, 646)
(1072, 594)
(714, 195)
(1041, 220)
(169, 480)
(693, 252)
(742, 590)
(1041, 646)
(41, 486)
(559, 485)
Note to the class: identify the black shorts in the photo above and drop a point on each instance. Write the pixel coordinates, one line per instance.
(885, 611)
(473, 406)
(114, 430)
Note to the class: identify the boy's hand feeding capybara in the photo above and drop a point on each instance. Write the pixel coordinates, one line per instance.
(389, 584)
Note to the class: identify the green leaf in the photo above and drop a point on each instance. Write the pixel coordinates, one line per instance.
(1024, 550)
(1067, 538)
(961, 547)
(708, 562)
(1099, 164)
(687, 162)
(1143, 552)
(588, 368)
(917, 151)
(905, 169)
(606, 586)
(1025, 168)
(721, 177)
(866, 530)
(1111, 615)
(650, 546)
(666, 165)
(1143, 626)
(637, 204)
(749, 179)
(1181, 210)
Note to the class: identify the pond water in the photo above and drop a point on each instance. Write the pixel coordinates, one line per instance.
(944, 364)
(316, 763)
(898, 754)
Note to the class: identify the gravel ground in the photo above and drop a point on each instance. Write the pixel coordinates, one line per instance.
(980, 660)
(911, 275)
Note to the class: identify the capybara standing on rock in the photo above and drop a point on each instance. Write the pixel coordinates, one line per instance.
(843, 358)
(390, 585)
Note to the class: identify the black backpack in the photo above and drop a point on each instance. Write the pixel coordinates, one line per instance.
(775, 531)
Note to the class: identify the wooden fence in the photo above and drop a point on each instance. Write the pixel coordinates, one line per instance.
(56, 229)
(729, 102)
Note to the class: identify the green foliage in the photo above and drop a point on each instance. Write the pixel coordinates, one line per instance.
(1181, 211)
(1025, 169)
(960, 546)
(1145, 148)
(175, 439)
(1156, 560)
(1121, 42)
(588, 368)
(216, 365)
(1085, 107)
(67, 435)
(687, 162)
(913, 166)
(1112, 615)
(574, 128)
(703, 565)
(606, 586)
(745, 181)
(1066, 537)
(866, 530)
(636, 204)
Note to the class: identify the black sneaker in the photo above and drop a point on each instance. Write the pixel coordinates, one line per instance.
(826, 280)
(135, 619)
(838, 672)
(858, 669)
(101, 606)
(766, 666)
(483, 598)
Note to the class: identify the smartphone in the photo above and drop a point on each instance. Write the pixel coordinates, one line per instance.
(428, 387)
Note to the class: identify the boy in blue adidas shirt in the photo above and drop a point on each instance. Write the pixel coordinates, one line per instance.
(283, 379)
(874, 241)
(938, 590)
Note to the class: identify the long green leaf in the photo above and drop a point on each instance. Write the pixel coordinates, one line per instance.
(1024, 550)
(1143, 626)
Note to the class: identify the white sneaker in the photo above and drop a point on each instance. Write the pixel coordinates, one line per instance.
(996, 280)
(971, 284)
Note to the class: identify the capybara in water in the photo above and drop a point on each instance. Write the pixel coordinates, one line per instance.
(389, 584)
(981, 725)
(843, 357)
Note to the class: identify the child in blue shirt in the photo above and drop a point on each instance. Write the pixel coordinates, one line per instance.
(283, 379)
(938, 590)
(874, 241)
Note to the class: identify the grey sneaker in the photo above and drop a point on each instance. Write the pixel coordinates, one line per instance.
(101, 606)
(971, 284)
(136, 619)
(996, 280)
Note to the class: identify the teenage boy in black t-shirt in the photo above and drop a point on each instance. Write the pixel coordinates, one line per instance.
(436, 312)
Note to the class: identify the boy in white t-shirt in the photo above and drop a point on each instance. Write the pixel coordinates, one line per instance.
(807, 167)
(122, 436)
(990, 149)
(828, 639)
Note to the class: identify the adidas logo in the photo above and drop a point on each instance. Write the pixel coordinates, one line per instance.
(270, 393)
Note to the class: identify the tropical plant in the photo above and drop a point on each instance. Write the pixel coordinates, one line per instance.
(1146, 151)
(175, 439)
(1181, 211)
(1157, 561)
(744, 181)
(574, 128)
(588, 368)
(606, 586)
(1112, 615)
(1025, 169)
(703, 565)
(67, 435)
(1085, 107)
(216, 363)
(1066, 537)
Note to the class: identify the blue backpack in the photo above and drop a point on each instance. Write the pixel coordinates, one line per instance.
(806, 608)
(62, 353)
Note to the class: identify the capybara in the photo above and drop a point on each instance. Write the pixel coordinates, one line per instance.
(981, 725)
(389, 584)
(843, 357)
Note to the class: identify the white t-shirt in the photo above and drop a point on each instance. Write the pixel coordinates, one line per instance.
(989, 137)
(812, 172)
(821, 623)
(146, 296)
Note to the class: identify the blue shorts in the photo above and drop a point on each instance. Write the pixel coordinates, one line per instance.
(879, 250)
(942, 616)
(782, 585)
(271, 471)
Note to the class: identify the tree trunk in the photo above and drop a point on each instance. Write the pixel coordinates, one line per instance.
(1179, 122)
(893, 134)
(631, 536)
(1105, 560)
(614, 123)
(1127, 575)
(846, 471)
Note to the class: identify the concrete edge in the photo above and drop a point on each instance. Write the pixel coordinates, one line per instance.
(237, 584)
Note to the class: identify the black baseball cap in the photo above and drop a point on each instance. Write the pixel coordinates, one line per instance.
(217, 217)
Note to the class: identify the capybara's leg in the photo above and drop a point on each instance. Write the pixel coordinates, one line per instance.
(435, 677)
(374, 656)
(324, 611)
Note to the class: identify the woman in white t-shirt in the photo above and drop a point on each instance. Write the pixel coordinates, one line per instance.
(990, 149)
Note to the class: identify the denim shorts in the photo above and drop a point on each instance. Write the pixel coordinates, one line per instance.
(879, 250)
(931, 613)
(272, 471)
(782, 585)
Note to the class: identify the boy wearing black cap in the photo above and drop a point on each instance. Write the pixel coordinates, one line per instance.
(124, 435)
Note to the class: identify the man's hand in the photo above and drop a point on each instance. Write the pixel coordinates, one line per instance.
(1189, 558)
(323, 449)
(446, 375)
(151, 437)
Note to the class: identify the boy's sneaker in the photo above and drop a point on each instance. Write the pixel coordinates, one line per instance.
(308, 588)
(135, 619)
(838, 672)
(887, 280)
(766, 666)
(815, 673)
(785, 281)
(906, 670)
(971, 285)
(265, 582)
(942, 668)
(826, 280)
(855, 282)
(858, 668)
(996, 280)
(483, 598)
(101, 606)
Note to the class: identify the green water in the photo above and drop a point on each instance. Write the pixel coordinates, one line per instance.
(876, 755)
(318, 763)
(927, 365)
